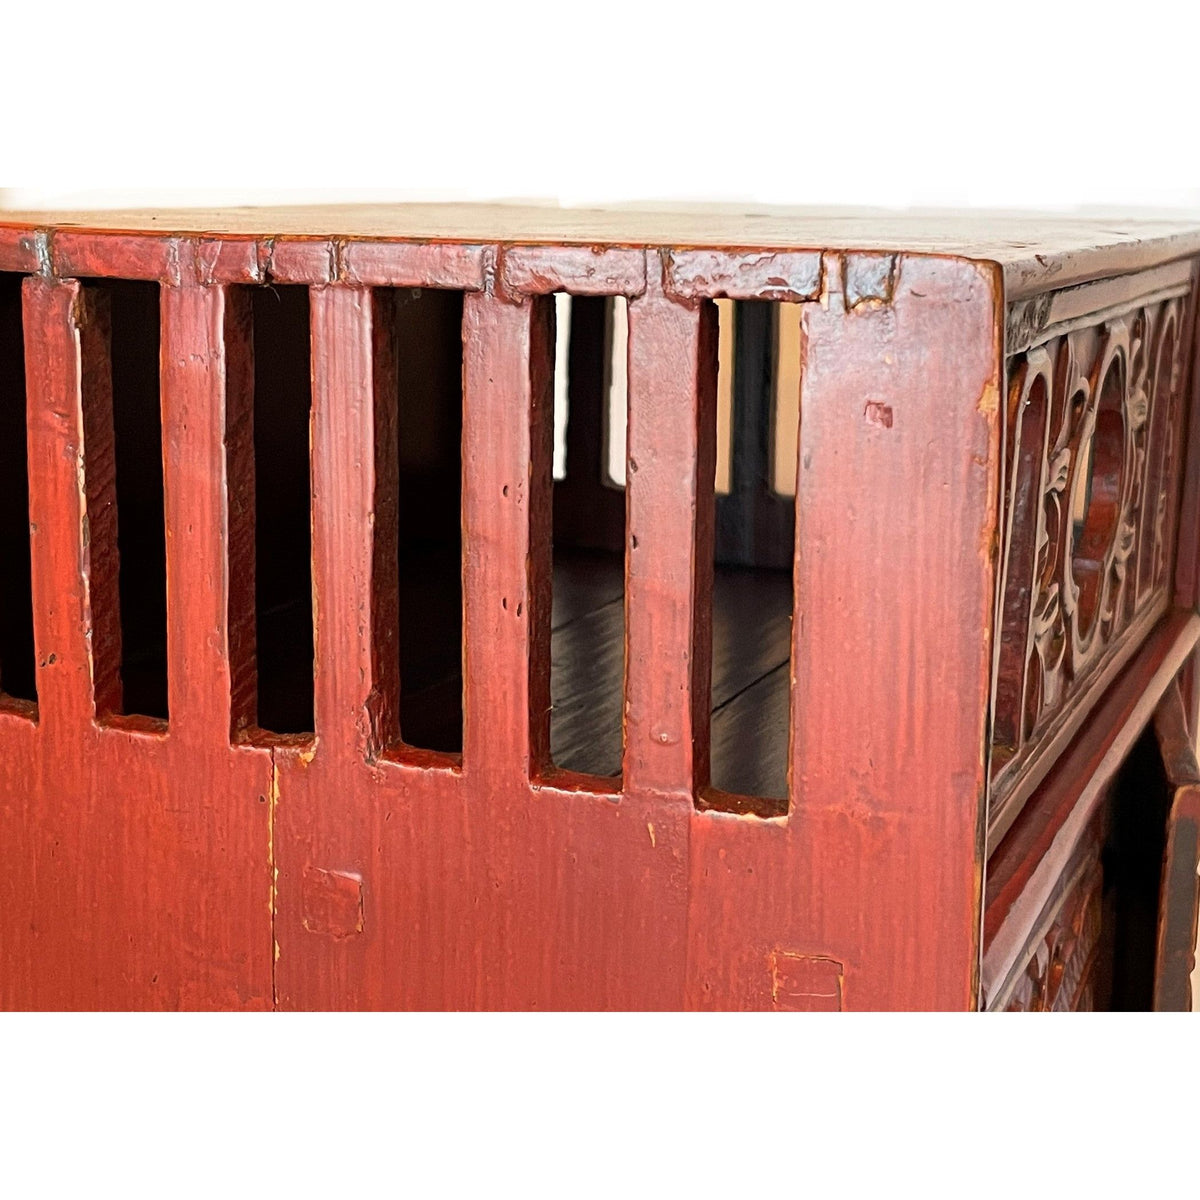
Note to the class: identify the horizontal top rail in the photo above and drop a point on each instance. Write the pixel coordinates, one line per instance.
(1034, 251)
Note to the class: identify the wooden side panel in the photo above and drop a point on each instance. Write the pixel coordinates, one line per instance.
(141, 859)
(136, 859)
(870, 892)
(405, 880)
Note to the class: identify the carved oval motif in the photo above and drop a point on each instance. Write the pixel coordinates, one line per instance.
(1091, 481)
(1096, 493)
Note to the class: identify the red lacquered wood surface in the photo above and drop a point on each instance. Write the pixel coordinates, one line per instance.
(668, 558)
(137, 861)
(412, 881)
(200, 862)
(877, 870)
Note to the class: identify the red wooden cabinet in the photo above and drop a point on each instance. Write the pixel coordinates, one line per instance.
(349, 698)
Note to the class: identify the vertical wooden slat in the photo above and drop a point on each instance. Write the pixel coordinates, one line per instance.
(669, 554)
(508, 411)
(355, 699)
(205, 393)
(72, 502)
(1179, 893)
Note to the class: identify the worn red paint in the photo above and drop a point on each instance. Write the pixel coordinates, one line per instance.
(137, 861)
(203, 864)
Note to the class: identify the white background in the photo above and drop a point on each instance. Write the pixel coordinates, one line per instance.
(583, 101)
(1013, 104)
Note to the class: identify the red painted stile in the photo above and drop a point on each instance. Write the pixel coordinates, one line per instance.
(506, 413)
(671, 466)
(65, 580)
(351, 709)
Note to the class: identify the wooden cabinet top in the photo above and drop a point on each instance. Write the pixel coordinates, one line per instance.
(1033, 250)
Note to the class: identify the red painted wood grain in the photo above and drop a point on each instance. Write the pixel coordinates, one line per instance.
(138, 863)
(21, 249)
(417, 264)
(878, 865)
(200, 863)
(480, 886)
(581, 270)
(507, 410)
(670, 509)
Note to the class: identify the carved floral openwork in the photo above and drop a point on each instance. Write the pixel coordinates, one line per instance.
(1092, 471)
(1060, 974)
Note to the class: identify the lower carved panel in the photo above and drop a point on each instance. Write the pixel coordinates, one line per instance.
(1081, 932)
(1060, 974)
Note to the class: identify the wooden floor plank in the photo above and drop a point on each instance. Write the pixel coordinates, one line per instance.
(751, 639)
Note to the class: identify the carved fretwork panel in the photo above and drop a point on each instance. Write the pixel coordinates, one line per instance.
(1065, 962)
(1060, 974)
(1092, 470)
